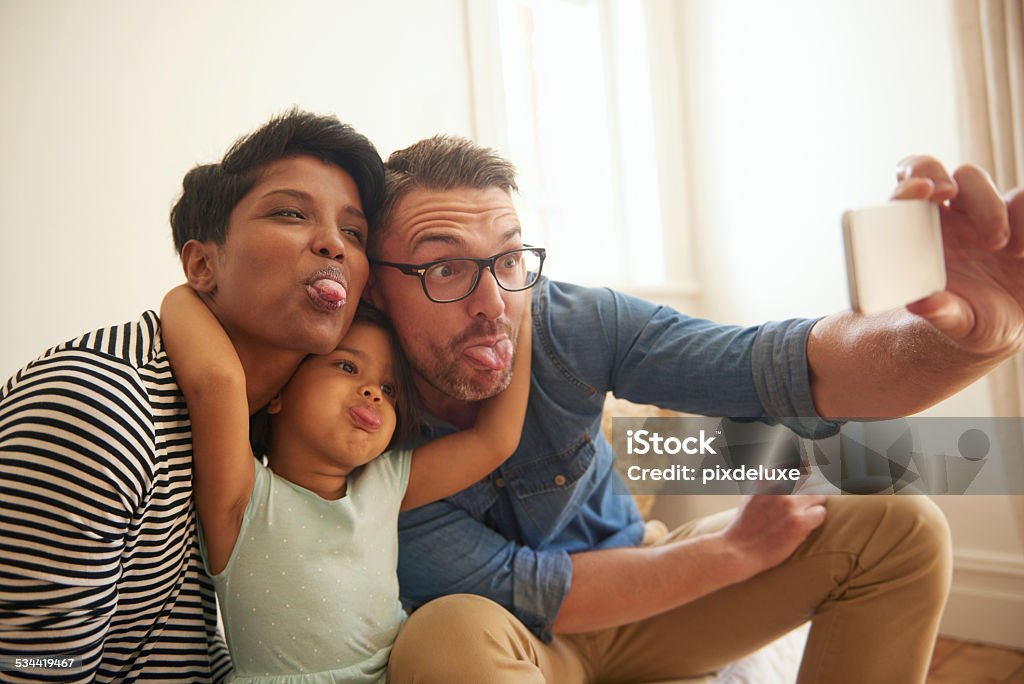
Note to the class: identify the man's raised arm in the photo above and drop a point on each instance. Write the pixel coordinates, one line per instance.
(901, 362)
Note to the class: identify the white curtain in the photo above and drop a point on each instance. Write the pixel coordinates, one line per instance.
(989, 38)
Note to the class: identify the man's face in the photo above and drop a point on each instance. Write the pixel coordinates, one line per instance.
(293, 266)
(459, 349)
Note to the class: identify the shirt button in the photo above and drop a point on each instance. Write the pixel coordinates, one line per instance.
(559, 480)
(500, 482)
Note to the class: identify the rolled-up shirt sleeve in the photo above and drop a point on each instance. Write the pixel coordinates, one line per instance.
(530, 583)
(781, 377)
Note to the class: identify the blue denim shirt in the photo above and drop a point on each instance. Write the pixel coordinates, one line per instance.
(509, 536)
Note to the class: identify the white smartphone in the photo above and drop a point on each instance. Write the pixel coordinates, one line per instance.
(893, 254)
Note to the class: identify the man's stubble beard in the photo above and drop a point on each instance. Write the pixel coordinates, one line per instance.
(442, 367)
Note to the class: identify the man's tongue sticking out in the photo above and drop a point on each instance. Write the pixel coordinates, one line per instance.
(495, 356)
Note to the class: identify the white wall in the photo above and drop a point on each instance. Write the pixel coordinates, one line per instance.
(108, 103)
(800, 109)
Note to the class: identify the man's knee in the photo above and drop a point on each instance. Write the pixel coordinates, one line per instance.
(912, 519)
(458, 638)
(456, 617)
(911, 528)
(929, 536)
(930, 529)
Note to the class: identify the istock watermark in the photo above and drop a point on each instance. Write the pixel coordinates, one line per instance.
(893, 456)
(641, 442)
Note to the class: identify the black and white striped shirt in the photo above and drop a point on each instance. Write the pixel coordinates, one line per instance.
(98, 551)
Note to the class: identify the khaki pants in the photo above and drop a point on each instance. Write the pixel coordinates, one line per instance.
(873, 580)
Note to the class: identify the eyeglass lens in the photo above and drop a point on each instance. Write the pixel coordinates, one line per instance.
(456, 278)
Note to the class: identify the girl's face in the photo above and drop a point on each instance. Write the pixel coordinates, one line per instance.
(338, 409)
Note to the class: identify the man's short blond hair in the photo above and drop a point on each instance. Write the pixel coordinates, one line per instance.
(443, 162)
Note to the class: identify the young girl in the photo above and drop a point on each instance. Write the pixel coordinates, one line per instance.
(303, 550)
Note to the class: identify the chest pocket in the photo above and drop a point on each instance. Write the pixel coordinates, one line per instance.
(556, 472)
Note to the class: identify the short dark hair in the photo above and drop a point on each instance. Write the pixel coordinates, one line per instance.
(442, 162)
(211, 191)
(407, 405)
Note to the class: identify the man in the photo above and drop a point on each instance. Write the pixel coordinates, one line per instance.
(571, 594)
(98, 552)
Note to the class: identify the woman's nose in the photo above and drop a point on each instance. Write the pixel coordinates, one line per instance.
(329, 243)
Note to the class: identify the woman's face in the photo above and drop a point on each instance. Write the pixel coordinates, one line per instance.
(293, 266)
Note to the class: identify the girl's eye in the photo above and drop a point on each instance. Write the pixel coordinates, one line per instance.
(388, 390)
(346, 366)
(289, 213)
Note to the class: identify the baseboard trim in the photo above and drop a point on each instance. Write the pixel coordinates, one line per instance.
(986, 601)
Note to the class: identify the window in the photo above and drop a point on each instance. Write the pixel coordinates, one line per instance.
(563, 88)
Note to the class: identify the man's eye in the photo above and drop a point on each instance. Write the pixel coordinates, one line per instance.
(450, 270)
(509, 262)
(346, 366)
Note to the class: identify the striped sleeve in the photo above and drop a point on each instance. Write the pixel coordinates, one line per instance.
(76, 460)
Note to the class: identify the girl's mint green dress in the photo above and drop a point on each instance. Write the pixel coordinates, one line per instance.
(310, 593)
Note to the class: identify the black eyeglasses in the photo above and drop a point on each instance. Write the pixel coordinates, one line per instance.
(449, 280)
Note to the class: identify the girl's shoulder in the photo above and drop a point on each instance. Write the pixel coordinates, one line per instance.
(392, 467)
